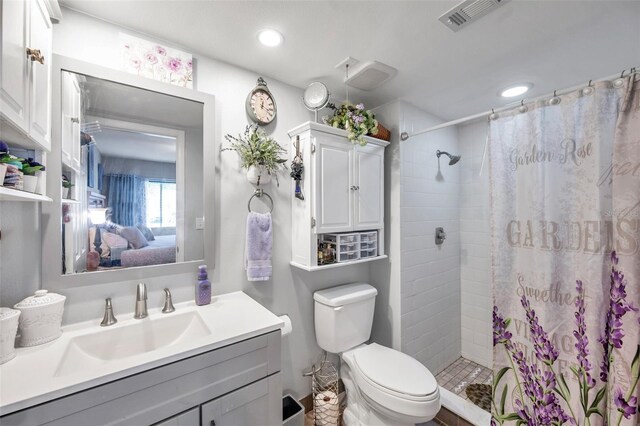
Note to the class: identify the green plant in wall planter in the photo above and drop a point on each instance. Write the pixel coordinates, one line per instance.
(259, 154)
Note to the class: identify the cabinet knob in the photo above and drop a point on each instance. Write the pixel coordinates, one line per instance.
(213, 423)
(35, 55)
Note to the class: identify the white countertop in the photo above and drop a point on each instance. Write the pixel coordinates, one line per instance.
(31, 377)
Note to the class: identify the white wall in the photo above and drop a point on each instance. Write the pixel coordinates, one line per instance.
(385, 274)
(475, 246)
(290, 291)
(430, 274)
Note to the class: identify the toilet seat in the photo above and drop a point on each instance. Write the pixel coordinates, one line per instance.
(394, 384)
(395, 373)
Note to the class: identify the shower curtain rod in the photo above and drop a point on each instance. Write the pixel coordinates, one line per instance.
(404, 135)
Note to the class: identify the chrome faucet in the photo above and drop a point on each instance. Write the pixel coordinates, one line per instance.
(108, 318)
(168, 304)
(141, 302)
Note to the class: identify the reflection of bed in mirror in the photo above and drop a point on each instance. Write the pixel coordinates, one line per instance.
(159, 251)
(116, 251)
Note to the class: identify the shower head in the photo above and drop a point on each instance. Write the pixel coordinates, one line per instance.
(453, 159)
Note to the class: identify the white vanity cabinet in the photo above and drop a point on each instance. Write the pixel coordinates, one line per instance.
(238, 384)
(25, 76)
(343, 187)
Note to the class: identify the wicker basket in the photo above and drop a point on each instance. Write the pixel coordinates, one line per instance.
(383, 133)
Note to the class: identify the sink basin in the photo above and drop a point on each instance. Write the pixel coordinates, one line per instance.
(131, 339)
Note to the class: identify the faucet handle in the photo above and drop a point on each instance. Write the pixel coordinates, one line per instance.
(109, 318)
(168, 304)
(141, 293)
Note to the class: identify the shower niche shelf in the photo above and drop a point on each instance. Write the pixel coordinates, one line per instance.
(343, 188)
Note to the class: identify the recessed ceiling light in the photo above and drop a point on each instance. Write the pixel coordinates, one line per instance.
(515, 90)
(270, 38)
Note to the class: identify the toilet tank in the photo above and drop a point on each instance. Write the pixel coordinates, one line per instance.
(343, 316)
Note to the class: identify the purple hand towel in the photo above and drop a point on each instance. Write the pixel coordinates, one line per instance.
(258, 246)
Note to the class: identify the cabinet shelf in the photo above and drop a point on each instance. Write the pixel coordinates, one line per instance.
(336, 265)
(8, 194)
(69, 201)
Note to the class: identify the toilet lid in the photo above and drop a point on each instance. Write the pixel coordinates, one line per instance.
(394, 370)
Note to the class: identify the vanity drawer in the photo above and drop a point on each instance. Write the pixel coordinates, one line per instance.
(159, 394)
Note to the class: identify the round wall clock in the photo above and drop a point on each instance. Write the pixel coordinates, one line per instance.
(261, 106)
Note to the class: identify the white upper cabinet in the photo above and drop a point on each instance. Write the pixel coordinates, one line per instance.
(343, 187)
(14, 80)
(334, 184)
(41, 37)
(368, 200)
(25, 79)
(349, 193)
(70, 126)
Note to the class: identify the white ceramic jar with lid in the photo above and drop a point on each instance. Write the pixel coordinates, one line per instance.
(41, 318)
(8, 328)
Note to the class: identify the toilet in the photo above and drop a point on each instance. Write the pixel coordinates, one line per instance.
(383, 386)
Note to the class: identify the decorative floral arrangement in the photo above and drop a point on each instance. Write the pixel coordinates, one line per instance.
(157, 62)
(540, 385)
(256, 149)
(357, 121)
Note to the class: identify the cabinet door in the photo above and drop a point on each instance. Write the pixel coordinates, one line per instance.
(70, 120)
(334, 185)
(188, 418)
(41, 35)
(14, 67)
(258, 404)
(369, 181)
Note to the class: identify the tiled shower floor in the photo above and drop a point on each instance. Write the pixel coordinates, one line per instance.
(461, 373)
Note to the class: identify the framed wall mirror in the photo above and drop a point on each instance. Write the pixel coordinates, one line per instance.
(128, 175)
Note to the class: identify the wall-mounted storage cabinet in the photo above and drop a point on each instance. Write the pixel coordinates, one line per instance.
(343, 187)
(25, 77)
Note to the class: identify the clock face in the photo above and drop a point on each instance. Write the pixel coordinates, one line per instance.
(262, 107)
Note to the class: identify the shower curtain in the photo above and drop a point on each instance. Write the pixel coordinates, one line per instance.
(565, 220)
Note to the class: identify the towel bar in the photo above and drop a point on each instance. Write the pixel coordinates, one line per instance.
(259, 193)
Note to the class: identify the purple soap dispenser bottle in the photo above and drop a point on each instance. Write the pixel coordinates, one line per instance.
(203, 288)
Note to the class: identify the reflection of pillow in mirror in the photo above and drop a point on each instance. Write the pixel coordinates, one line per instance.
(134, 236)
(146, 232)
(112, 227)
(114, 240)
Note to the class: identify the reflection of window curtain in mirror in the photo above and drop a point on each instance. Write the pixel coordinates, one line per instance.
(126, 198)
(90, 165)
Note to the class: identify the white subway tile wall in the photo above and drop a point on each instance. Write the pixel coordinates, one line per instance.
(430, 292)
(475, 248)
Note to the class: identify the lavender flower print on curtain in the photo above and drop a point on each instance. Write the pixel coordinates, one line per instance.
(151, 60)
(565, 195)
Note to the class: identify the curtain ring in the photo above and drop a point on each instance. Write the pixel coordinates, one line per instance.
(493, 115)
(622, 73)
(555, 100)
(589, 89)
(522, 108)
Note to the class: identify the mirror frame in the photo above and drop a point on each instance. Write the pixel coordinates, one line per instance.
(52, 277)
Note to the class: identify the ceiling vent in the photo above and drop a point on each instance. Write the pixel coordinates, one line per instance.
(469, 11)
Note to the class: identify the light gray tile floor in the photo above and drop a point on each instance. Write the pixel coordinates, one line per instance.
(462, 373)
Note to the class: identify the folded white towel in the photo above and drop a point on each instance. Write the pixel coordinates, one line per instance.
(257, 253)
